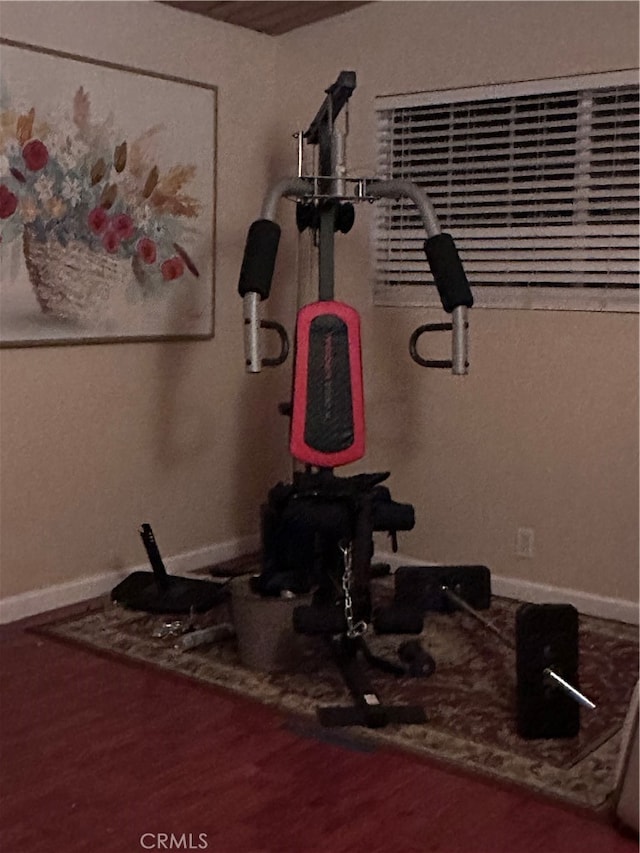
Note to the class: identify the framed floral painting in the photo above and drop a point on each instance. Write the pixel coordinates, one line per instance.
(107, 201)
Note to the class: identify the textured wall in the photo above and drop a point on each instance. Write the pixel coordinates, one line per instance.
(96, 439)
(543, 433)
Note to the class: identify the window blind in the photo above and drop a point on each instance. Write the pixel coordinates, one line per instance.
(538, 188)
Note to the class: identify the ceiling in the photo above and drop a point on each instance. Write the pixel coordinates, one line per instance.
(274, 19)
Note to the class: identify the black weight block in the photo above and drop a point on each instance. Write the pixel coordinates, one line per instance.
(420, 587)
(398, 620)
(546, 638)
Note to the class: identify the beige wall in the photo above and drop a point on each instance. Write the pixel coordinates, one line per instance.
(543, 433)
(96, 439)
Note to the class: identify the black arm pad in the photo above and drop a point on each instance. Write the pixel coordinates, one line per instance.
(391, 515)
(259, 258)
(448, 272)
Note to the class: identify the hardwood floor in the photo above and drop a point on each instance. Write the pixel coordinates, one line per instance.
(99, 756)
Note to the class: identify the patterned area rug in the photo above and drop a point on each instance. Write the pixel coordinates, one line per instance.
(469, 700)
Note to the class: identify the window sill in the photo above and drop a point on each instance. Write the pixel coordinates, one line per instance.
(514, 298)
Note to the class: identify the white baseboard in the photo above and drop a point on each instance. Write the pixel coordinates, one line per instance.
(37, 601)
(618, 609)
(604, 607)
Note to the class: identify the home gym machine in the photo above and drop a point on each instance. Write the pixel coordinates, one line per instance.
(317, 530)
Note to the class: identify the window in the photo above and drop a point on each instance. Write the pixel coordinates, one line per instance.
(537, 183)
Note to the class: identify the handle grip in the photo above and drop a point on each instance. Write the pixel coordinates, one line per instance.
(253, 339)
(458, 363)
(448, 272)
(259, 258)
(153, 553)
(284, 343)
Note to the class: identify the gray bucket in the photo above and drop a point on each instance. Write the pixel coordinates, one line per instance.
(264, 628)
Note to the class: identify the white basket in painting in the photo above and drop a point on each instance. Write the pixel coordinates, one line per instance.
(73, 282)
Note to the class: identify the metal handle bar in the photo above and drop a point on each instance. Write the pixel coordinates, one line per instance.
(284, 343)
(413, 345)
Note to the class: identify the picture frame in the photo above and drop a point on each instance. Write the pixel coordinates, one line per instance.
(107, 201)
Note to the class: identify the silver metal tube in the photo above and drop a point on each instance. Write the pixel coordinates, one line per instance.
(252, 348)
(460, 342)
(395, 188)
(300, 137)
(284, 187)
(580, 698)
(339, 163)
(213, 634)
(462, 604)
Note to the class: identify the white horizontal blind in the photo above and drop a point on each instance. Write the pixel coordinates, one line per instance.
(538, 189)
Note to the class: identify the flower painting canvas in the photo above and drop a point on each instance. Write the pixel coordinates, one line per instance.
(107, 201)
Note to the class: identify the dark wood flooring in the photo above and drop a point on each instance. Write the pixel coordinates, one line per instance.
(99, 755)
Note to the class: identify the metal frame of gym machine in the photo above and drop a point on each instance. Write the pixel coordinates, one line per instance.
(324, 203)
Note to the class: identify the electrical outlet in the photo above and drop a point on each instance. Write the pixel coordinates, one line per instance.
(524, 542)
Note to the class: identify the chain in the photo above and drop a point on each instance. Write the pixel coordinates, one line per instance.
(357, 629)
